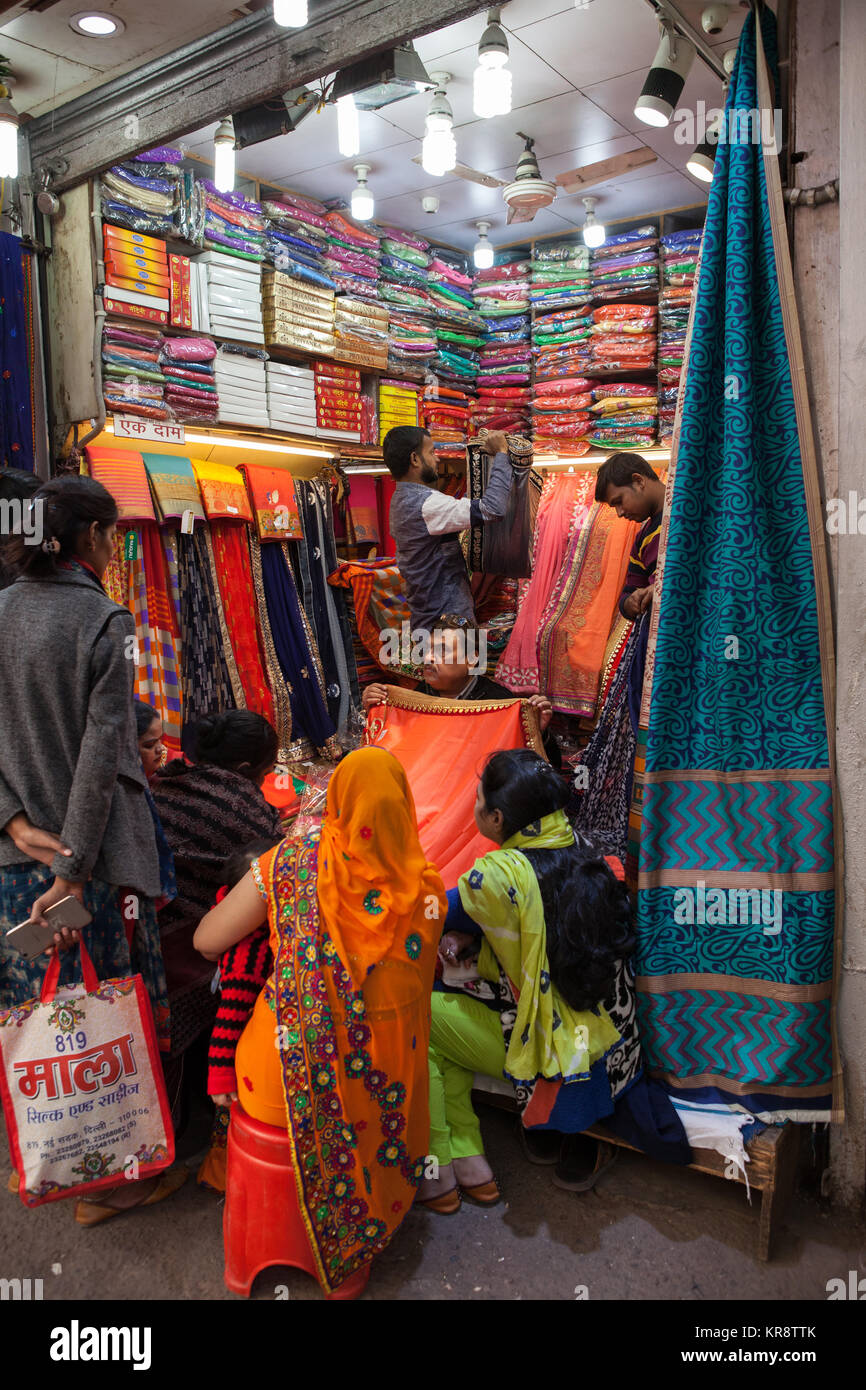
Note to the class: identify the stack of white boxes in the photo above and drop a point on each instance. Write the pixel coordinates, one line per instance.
(242, 389)
(229, 301)
(291, 398)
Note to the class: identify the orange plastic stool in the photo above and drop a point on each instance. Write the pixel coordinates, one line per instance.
(262, 1223)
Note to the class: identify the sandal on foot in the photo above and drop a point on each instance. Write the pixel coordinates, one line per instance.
(486, 1194)
(92, 1213)
(446, 1204)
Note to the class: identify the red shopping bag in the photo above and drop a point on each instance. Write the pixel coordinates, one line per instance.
(82, 1086)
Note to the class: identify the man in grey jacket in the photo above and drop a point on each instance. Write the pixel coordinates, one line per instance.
(426, 523)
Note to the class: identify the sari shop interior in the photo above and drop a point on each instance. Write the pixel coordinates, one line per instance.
(508, 223)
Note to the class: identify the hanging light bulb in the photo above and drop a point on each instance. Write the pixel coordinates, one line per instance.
(439, 149)
(9, 122)
(492, 82)
(594, 233)
(348, 131)
(482, 253)
(224, 156)
(665, 79)
(702, 160)
(290, 14)
(363, 205)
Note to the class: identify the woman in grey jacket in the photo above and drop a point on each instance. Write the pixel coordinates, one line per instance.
(73, 814)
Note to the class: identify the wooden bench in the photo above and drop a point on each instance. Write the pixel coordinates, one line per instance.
(772, 1168)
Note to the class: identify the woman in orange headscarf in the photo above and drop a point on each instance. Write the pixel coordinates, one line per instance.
(355, 913)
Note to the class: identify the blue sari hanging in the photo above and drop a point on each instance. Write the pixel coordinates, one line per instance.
(16, 399)
(736, 904)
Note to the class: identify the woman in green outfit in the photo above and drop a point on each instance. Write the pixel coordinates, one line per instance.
(533, 939)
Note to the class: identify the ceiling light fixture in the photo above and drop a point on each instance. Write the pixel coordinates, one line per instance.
(702, 160)
(439, 149)
(665, 79)
(290, 14)
(594, 233)
(95, 24)
(482, 254)
(224, 156)
(9, 123)
(348, 130)
(492, 81)
(363, 205)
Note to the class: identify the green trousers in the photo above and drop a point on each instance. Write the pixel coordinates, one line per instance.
(465, 1037)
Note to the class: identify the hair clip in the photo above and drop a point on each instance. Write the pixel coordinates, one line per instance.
(51, 547)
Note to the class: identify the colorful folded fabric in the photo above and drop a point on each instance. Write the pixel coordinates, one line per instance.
(123, 473)
(272, 494)
(223, 492)
(174, 486)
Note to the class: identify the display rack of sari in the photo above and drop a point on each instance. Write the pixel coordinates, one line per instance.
(207, 664)
(308, 711)
(326, 606)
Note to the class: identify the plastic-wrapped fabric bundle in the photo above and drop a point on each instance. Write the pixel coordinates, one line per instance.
(404, 251)
(572, 251)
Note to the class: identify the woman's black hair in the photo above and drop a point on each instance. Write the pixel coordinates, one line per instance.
(144, 717)
(587, 913)
(238, 864)
(239, 736)
(69, 506)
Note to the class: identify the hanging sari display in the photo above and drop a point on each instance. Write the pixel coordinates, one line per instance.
(463, 733)
(17, 414)
(234, 581)
(502, 546)
(174, 486)
(326, 606)
(577, 618)
(205, 678)
(564, 498)
(157, 678)
(123, 474)
(309, 712)
(736, 903)
(363, 511)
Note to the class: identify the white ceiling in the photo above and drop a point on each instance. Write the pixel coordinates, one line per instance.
(576, 73)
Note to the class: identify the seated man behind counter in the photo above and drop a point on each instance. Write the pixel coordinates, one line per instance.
(426, 523)
(449, 674)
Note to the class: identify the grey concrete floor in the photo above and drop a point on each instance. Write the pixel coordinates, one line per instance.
(647, 1231)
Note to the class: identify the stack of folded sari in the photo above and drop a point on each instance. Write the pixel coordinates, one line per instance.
(680, 252)
(143, 195)
(623, 338)
(445, 413)
(624, 415)
(297, 236)
(560, 276)
(190, 379)
(459, 327)
(232, 224)
(353, 257)
(503, 291)
(561, 415)
(626, 264)
(132, 377)
(561, 344)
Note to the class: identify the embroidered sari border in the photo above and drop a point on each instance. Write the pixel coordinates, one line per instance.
(733, 984)
(413, 700)
(735, 878)
(737, 1088)
(733, 778)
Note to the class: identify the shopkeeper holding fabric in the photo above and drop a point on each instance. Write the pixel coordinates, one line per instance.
(426, 523)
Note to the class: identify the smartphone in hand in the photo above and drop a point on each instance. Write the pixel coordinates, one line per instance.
(30, 939)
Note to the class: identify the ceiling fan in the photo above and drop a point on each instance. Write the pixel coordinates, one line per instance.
(529, 191)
